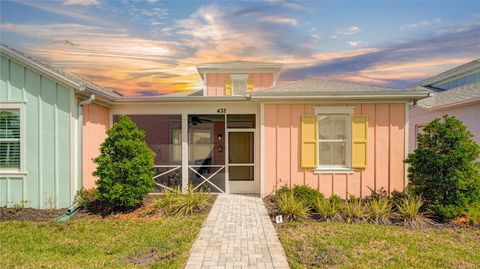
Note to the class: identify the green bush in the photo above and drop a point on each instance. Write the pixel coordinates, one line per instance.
(86, 197)
(307, 194)
(473, 214)
(304, 193)
(125, 165)
(409, 210)
(290, 206)
(380, 210)
(326, 209)
(183, 204)
(444, 170)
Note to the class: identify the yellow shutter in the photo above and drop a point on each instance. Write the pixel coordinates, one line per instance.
(228, 87)
(359, 141)
(309, 140)
(250, 85)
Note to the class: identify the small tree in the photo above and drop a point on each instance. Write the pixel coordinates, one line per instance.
(444, 170)
(125, 165)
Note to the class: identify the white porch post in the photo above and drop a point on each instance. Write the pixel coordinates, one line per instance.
(262, 149)
(184, 152)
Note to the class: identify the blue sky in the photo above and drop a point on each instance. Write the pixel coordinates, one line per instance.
(152, 47)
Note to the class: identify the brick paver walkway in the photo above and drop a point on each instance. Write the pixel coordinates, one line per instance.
(238, 233)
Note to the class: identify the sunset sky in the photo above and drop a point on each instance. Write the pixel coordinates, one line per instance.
(152, 47)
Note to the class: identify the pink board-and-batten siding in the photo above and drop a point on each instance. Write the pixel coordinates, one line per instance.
(386, 151)
(95, 125)
(216, 82)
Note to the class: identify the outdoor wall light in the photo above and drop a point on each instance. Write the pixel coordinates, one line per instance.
(220, 137)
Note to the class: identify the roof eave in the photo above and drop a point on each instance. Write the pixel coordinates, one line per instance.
(166, 99)
(330, 96)
(202, 69)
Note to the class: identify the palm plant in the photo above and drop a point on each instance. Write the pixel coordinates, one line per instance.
(410, 210)
(380, 210)
(291, 207)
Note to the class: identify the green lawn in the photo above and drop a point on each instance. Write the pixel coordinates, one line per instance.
(340, 245)
(162, 242)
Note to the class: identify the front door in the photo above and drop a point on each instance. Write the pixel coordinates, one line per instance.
(241, 162)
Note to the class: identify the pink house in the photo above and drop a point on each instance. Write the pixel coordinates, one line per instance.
(455, 92)
(243, 133)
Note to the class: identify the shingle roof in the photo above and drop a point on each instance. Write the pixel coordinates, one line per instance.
(450, 73)
(79, 80)
(332, 87)
(452, 96)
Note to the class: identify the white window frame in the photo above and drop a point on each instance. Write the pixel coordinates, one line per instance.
(241, 78)
(417, 132)
(20, 106)
(349, 111)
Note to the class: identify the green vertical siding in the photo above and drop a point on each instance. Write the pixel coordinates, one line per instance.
(47, 133)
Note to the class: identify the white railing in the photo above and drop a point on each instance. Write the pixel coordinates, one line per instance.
(172, 168)
(205, 179)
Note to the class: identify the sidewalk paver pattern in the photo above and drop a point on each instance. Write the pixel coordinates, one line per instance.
(238, 233)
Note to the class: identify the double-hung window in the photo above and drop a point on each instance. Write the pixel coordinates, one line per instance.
(239, 84)
(10, 140)
(334, 137)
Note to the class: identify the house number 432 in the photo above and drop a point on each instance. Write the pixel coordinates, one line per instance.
(221, 110)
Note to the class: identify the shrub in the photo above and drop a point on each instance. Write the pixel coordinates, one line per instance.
(291, 207)
(473, 214)
(125, 165)
(326, 209)
(307, 194)
(353, 211)
(179, 204)
(380, 210)
(443, 169)
(304, 193)
(86, 197)
(409, 210)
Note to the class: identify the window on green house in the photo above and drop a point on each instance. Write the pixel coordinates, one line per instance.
(10, 139)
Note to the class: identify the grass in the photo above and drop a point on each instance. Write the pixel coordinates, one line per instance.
(362, 245)
(123, 241)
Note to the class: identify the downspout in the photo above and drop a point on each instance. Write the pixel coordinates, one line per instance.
(80, 138)
(74, 208)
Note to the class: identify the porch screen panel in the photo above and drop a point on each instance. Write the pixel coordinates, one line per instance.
(206, 152)
(163, 134)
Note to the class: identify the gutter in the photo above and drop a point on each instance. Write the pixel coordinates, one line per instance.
(414, 96)
(80, 137)
(181, 99)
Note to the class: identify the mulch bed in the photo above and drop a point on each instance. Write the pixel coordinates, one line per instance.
(146, 210)
(269, 202)
(32, 214)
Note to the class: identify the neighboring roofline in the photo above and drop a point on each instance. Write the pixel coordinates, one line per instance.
(464, 68)
(8, 52)
(449, 105)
